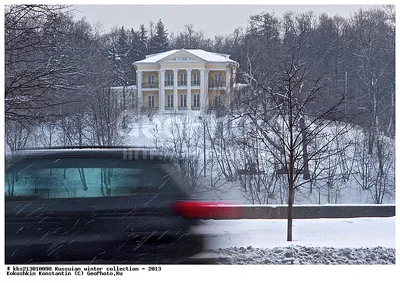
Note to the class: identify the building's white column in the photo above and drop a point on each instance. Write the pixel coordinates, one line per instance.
(175, 89)
(202, 89)
(161, 91)
(228, 86)
(205, 96)
(139, 88)
(189, 89)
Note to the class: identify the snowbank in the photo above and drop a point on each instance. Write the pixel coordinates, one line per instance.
(305, 255)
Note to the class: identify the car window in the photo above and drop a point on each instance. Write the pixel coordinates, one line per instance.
(86, 177)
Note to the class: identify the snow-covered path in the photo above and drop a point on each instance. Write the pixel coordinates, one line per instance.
(337, 233)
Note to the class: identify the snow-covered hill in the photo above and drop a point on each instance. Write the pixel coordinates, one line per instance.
(347, 174)
(350, 178)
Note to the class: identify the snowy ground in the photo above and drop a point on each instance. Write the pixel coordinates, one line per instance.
(315, 241)
(144, 132)
(306, 255)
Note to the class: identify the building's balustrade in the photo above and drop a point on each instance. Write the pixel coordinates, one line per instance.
(211, 83)
(200, 81)
(216, 84)
(150, 85)
(149, 109)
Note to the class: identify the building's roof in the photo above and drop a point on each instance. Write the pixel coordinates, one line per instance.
(210, 57)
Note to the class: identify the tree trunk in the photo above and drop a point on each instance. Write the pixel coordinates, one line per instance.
(306, 170)
(291, 197)
(291, 174)
(373, 127)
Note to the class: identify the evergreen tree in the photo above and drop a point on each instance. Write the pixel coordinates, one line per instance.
(134, 54)
(122, 43)
(143, 44)
(159, 41)
(114, 66)
(122, 50)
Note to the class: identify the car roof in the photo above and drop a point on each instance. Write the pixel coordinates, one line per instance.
(124, 153)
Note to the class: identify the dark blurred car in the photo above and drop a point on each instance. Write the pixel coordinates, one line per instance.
(97, 205)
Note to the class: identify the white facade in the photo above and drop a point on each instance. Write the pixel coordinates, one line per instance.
(181, 80)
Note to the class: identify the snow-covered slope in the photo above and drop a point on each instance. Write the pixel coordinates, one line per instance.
(348, 185)
(156, 129)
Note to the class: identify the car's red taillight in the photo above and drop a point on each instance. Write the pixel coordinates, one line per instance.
(207, 210)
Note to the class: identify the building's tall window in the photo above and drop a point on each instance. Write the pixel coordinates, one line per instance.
(217, 81)
(170, 79)
(196, 100)
(151, 79)
(217, 78)
(182, 79)
(151, 101)
(196, 79)
(170, 100)
(183, 100)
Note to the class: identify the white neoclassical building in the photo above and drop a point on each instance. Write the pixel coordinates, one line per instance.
(185, 79)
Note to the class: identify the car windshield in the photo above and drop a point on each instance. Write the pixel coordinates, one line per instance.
(85, 177)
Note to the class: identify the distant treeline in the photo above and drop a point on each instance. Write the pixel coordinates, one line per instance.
(51, 58)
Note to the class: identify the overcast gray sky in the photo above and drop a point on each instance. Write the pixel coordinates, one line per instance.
(212, 20)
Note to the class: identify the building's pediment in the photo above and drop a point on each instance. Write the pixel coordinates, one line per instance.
(186, 55)
(181, 56)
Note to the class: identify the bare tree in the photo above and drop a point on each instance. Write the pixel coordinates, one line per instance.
(40, 59)
(17, 135)
(374, 56)
(106, 120)
(182, 140)
(278, 109)
(220, 143)
(384, 181)
(374, 172)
